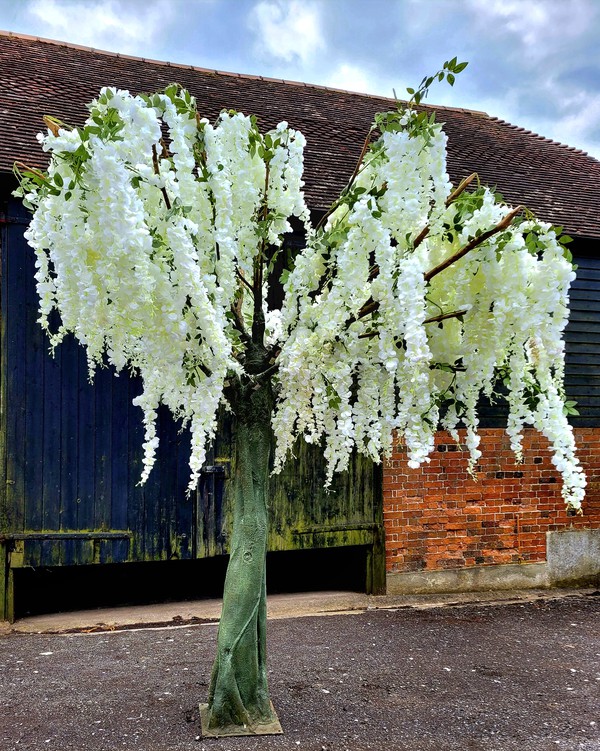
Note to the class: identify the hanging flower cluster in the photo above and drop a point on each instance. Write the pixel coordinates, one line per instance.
(141, 242)
(408, 306)
(405, 307)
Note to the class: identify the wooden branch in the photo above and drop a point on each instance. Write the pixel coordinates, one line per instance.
(433, 319)
(451, 198)
(164, 153)
(476, 241)
(52, 126)
(444, 316)
(238, 321)
(353, 177)
(157, 171)
(425, 231)
(463, 186)
(23, 166)
(369, 307)
(271, 370)
(421, 236)
(258, 318)
(361, 157)
(243, 279)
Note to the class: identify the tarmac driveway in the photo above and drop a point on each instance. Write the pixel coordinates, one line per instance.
(508, 677)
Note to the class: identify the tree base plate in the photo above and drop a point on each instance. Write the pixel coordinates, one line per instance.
(264, 728)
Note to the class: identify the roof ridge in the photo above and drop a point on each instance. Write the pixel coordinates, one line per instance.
(526, 131)
(213, 71)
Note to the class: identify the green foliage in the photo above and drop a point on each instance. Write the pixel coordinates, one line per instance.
(419, 123)
(449, 71)
(569, 408)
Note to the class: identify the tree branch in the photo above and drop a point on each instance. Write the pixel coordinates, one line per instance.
(238, 321)
(371, 306)
(271, 370)
(243, 279)
(433, 319)
(444, 316)
(22, 166)
(462, 187)
(157, 171)
(451, 198)
(361, 157)
(258, 317)
(473, 244)
(353, 177)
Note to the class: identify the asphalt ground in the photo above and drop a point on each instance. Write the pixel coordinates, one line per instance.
(484, 676)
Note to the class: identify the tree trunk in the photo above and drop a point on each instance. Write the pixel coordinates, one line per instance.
(238, 694)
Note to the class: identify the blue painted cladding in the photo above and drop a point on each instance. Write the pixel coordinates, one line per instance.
(72, 451)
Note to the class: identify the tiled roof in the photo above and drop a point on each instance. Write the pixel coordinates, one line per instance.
(38, 77)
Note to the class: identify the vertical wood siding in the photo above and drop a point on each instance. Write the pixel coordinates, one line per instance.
(72, 459)
(582, 375)
(72, 452)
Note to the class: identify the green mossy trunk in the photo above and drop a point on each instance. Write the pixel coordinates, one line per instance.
(238, 694)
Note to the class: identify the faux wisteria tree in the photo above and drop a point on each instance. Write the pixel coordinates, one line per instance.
(157, 234)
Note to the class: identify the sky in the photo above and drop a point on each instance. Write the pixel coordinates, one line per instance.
(534, 63)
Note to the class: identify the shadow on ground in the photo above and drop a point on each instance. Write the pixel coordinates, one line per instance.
(484, 677)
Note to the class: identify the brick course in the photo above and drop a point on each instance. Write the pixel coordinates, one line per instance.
(439, 517)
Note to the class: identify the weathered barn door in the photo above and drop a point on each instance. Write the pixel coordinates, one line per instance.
(71, 450)
(71, 459)
(302, 513)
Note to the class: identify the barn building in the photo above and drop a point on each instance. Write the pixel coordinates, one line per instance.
(71, 451)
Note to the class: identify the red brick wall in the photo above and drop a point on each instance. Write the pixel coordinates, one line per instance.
(439, 517)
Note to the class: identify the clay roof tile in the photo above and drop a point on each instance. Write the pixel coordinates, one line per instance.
(560, 183)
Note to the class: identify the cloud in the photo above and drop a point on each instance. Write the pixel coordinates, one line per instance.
(351, 78)
(113, 25)
(577, 124)
(287, 30)
(538, 26)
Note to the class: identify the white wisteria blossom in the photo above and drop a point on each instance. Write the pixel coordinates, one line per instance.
(160, 239)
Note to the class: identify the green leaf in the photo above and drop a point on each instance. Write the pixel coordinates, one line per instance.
(446, 367)
(569, 408)
(451, 79)
(171, 91)
(461, 66)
